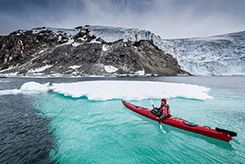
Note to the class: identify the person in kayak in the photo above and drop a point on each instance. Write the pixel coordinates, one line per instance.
(163, 111)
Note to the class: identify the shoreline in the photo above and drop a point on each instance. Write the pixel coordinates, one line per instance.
(88, 76)
(115, 76)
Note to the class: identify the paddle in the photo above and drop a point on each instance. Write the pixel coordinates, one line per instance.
(231, 133)
(162, 128)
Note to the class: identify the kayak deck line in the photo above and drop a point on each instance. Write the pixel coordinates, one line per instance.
(217, 133)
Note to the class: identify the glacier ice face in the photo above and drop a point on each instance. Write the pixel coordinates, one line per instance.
(217, 55)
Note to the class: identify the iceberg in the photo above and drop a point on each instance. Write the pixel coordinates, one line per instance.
(109, 90)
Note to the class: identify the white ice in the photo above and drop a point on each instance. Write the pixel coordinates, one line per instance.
(9, 92)
(31, 87)
(107, 90)
(130, 90)
(27, 88)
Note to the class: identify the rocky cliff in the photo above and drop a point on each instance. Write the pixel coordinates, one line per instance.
(78, 52)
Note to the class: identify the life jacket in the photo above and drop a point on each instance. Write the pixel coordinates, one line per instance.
(164, 110)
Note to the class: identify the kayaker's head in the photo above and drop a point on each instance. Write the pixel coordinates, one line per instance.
(163, 101)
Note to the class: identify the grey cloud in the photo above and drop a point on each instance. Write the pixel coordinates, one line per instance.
(168, 18)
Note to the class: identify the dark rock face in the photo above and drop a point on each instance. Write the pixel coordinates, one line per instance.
(19, 46)
(43, 51)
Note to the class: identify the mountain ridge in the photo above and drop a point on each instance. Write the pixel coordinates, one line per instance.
(78, 52)
(214, 55)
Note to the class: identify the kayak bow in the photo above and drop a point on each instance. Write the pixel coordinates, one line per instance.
(217, 133)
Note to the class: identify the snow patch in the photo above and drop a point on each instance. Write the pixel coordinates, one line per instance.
(40, 51)
(105, 47)
(70, 41)
(12, 74)
(37, 30)
(110, 69)
(9, 68)
(41, 69)
(59, 38)
(75, 66)
(140, 72)
(75, 44)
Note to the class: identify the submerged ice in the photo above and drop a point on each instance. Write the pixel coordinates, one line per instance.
(108, 90)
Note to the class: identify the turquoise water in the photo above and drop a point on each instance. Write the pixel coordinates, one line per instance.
(87, 131)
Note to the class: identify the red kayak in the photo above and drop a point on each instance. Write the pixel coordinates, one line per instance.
(217, 133)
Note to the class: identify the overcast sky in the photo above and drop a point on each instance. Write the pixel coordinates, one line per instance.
(167, 18)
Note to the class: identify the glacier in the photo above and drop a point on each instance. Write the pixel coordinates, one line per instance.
(215, 55)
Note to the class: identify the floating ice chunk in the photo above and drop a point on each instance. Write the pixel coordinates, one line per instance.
(130, 90)
(107, 90)
(29, 87)
(110, 69)
(34, 87)
(10, 92)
